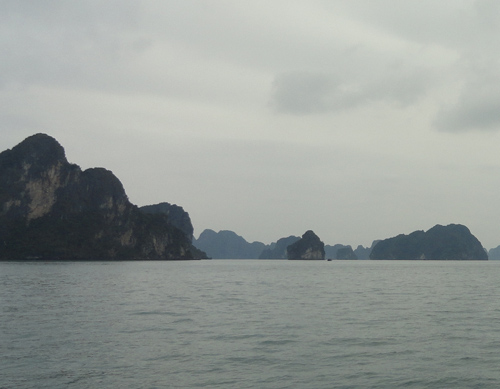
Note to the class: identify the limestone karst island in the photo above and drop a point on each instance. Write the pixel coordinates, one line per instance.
(52, 210)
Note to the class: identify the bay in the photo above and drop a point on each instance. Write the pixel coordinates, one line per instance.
(250, 324)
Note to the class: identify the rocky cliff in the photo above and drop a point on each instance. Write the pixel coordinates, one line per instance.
(308, 247)
(176, 216)
(51, 209)
(452, 242)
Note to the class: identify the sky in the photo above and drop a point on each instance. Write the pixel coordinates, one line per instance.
(357, 119)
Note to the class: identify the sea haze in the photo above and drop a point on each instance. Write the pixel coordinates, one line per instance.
(250, 324)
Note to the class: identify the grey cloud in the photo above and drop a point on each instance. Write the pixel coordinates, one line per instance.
(304, 93)
(470, 30)
(66, 43)
(448, 23)
(470, 115)
(401, 87)
(488, 13)
(478, 105)
(15, 122)
(308, 93)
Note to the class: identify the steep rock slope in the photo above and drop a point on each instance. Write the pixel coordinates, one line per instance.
(177, 216)
(51, 209)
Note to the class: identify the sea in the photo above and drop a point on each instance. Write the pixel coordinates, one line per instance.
(250, 324)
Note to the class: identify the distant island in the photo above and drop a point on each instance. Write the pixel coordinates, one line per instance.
(227, 245)
(494, 253)
(452, 242)
(51, 209)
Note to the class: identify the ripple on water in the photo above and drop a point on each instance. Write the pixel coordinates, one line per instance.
(248, 324)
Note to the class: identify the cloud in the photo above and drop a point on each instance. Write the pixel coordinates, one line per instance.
(477, 107)
(304, 93)
(65, 44)
(455, 24)
(470, 115)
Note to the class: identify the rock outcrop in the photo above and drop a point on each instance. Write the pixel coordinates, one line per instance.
(308, 247)
(227, 245)
(51, 209)
(176, 216)
(180, 219)
(278, 250)
(452, 242)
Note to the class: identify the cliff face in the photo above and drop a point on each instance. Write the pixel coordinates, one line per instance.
(176, 216)
(452, 242)
(52, 209)
(308, 247)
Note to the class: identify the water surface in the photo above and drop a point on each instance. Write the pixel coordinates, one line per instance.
(250, 324)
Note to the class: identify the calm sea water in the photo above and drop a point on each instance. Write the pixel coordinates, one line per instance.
(250, 324)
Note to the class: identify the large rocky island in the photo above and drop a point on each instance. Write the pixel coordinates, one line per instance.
(51, 209)
(452, 242)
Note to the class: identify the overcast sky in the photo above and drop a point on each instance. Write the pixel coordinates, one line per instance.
(358, 119)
